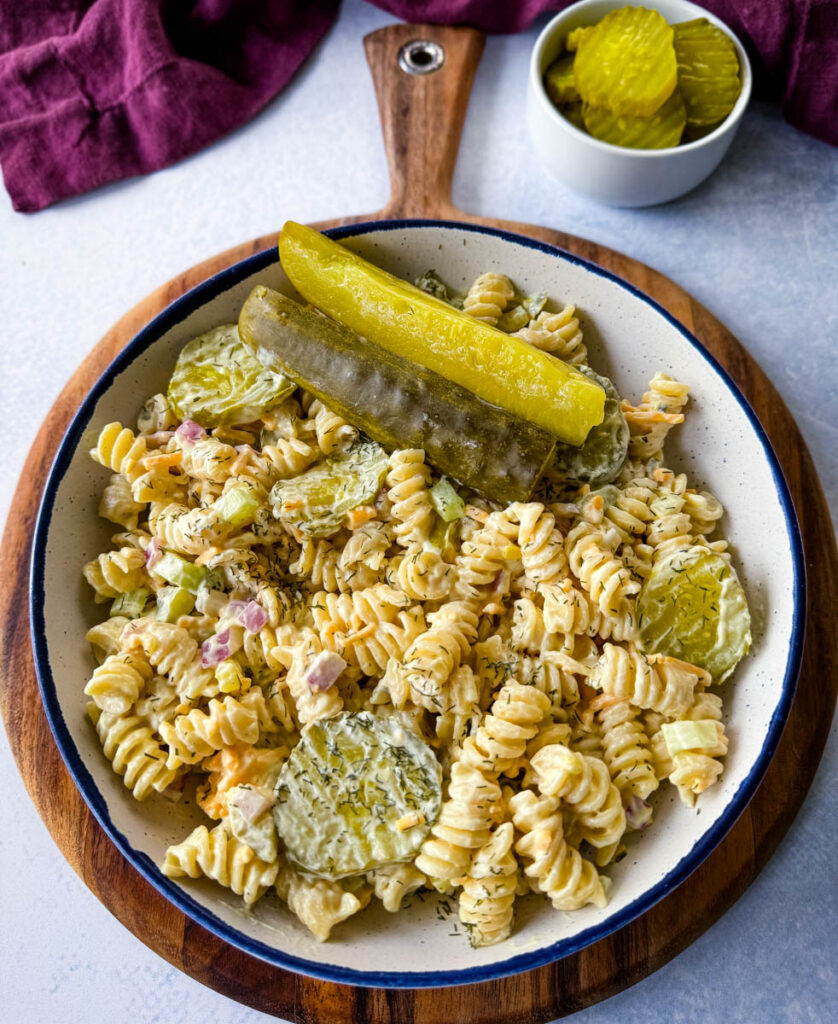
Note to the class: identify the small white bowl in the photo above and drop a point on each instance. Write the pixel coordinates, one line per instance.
(721, 445)
(616, 174)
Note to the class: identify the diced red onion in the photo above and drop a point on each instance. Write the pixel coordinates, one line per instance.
(216, 649)
(190, 431)
(253, 617)
(638, 813)
(500, 584)
(324, 670)
(242, 449)
(251, 804)
(153, 552)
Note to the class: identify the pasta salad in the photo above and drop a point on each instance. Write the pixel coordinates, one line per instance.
(376, 678)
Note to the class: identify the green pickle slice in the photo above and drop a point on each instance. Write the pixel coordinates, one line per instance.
(708, 74)
(317, 502)
(693, 607)
(660, 131)
(357, 792)
(559, 81)
(573, 37)
(626, 62)
(219, 380)
(575, 113)
(601, 457)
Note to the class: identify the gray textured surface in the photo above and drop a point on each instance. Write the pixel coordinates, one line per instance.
(757, 244)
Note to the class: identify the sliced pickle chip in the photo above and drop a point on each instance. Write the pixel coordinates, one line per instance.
(560, 82)
(219, 380)
(708, 74)
(575, 113)
(693, 607)
(573, 37)
(357, 792)
(317, 502)
(601, 457)
(660, 131)
(626, 62)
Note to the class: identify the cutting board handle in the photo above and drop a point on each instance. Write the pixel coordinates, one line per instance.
(422, 76)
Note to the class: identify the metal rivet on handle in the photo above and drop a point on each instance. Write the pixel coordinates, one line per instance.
(421, 57)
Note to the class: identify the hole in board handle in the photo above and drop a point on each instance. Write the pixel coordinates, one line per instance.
(421, 57)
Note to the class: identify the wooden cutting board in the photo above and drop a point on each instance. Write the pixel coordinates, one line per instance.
(422, 118)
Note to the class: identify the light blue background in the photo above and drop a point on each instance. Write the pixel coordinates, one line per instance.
(757, 244)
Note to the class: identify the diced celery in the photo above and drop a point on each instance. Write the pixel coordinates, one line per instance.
(442, 534)
(177, 571)
(446, 501)
(238, 506)
(131, 604)
(681, 736)
(172, 602)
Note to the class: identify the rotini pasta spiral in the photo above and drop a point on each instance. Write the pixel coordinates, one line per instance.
(223, 858)
(488, 297)
(173, 653)
(298, 652)
(592, 559)
(658, 683)
(435, 653)
(542, 545)
(117, 682)
(106, 637)
(319, 564)
(116, 572)
(514, 718)
(488, 895)
(119, 450)
(473, 806)
(317, 902)
(556, 333)
(188, 531)
(561, 873)
(394, 882)
(118, 504)
(332, 431)
(207, 459)
(129, 744)
(583, 783)
(196, 735)
(422, 574)
(626, 749)
(407, 482)
(571, 612)
(659, 411)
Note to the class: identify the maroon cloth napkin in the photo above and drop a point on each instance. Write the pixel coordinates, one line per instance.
(92, 91)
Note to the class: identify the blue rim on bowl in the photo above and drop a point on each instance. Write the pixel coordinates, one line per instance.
(163, 322)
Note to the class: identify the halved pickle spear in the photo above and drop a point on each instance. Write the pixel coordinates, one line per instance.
(496, 367)
(626, 62)
(708, 74)
(660, 131)
(560, 82)
(398, 403)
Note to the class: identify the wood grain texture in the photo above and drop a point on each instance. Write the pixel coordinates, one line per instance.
(413, 109)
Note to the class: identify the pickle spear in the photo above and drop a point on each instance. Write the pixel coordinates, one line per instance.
(398, 403)
(500, 369)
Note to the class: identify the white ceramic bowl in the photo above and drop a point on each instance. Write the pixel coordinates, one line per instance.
(721, 446)
(616, 174)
